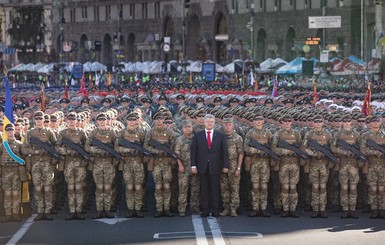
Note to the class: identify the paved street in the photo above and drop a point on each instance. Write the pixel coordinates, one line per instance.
(241, 230)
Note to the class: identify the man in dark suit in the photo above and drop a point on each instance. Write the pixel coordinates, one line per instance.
(209, 157)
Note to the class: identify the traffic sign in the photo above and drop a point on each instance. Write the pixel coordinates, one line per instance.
(316, 22)
(221, 37)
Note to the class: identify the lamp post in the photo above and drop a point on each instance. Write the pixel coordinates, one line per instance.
(186, 4)
(252, 13)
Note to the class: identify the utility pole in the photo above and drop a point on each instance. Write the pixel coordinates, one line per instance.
(324, 4)
(252, 13)
(185, 4)
(362, 30)
(379, 27)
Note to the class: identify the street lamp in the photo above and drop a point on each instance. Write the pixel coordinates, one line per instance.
(186, 4)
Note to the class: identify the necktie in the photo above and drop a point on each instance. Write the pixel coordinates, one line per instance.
(208, 139)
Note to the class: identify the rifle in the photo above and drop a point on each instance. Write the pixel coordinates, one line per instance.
(293, 147)
(128, 144)
(265, 148)
(46, 146)
(373, 144)
(325, 150)
(106, 147)
(352, 148)
(76, 147)
(163, 147)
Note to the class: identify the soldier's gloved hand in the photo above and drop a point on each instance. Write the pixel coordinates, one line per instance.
(377, 153)
(318, 154)
(253, 151)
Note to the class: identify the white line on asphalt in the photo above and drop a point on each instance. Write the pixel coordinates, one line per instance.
(23, 229)
(216, 231)
(200, 234)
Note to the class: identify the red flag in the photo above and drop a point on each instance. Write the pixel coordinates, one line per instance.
(66, 91)
(83, 89)
(42, 107)
(315, 95)
(366, 105)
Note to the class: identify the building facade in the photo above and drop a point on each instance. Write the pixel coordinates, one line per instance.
(220, 30)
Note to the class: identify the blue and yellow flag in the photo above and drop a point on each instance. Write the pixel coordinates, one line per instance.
(8, 118)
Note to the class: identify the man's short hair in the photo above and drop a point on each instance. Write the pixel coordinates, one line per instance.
(209, 116)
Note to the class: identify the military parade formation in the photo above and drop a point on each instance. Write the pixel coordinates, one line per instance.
(285, 154)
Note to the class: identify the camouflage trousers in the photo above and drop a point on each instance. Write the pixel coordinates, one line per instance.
(260, 175)
(75, 174)
(348, 177)
(162, 177)
(174, 185)
(376, 181)
(11, 185)
(334, 188)
(229, 184)
(319, 173)
(104, 174)
(186, 180)
(289, 177)
(42, 178)
(133, 175)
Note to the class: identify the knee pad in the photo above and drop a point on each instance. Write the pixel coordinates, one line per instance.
(47, 188)
(285, 189)
(129, 187)
(255, 187)
(158, 187)
(99, 187)
(166, 186)
(107, 187)
(264, 186)
(38, 189)
(8, 193)
(70, 187)
(78, 187)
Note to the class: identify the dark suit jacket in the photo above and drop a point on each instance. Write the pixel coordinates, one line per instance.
(214, 159)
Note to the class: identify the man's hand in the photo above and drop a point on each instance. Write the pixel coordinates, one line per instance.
(225, 170)
(194, 170)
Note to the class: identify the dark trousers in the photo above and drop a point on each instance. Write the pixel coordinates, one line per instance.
(209, 185)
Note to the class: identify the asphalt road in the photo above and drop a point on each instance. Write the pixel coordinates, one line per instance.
(196, 230)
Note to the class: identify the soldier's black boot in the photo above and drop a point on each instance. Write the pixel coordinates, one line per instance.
(99, 215)
(345, 215)
(354, 214)
(139, 214)
(381, 214)
(167, 213)
(71, 216)
(109, 215)
(293, 214)
(80, 216)
(39, 217)
(253, 213)
(315, 214)
(323, 214)
(6, 219)
(48, 217)
(158, 214)
(16, 217)
(366, 208)
(264, 213)
(130, 213)
(374, 214)
(285, 214)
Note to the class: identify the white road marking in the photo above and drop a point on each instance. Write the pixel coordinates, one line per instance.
(200, 234)
(174, 235)
(21, 232)
(216, 231)
(112, 221)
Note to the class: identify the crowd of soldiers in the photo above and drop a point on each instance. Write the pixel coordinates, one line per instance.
(283, 150)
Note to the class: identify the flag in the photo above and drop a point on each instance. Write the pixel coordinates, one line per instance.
(8, 118)
(236, 79)
(83, 88)
(252, 78)
(256, 87)
(315, 95)
(109, 79)
(191, 77)
(42, 106)
(274, 92)
(366, 105)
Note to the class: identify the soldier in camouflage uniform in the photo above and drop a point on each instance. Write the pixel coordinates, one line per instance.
(132, 165)
(103, 167)
(74, 166)
(289, 166)
(319, 166)
(229, 182)
(185, 178)
(162, 165)
(11, 175)
(348, 171)
(376, 175)
(42, 167)
(260, 166)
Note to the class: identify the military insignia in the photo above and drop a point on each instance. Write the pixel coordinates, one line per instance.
(107, 136)
(164, 134)
(136, 135)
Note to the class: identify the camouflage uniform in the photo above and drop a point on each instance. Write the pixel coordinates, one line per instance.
(162, 171)
(103, 170)
(229, 182)
(319, 169)
(260, 168)
(42, 169)
(348, 171)
(288, 169)
(376, 175)
(186, 179)
(10, 178)
(133, 169)
(74, 169)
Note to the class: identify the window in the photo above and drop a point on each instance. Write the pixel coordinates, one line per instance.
(157, 10)
(73, 15)
(84, 13)
(96, 13)
(144, 10)
(120, 11)
(132, 11)
(108, 12)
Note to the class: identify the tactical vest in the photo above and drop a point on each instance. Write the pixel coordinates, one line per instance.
(292, 137)
(105, 136)
(162, 136)
(262, 136)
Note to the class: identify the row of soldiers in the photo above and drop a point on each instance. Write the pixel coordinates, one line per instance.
(79, 148)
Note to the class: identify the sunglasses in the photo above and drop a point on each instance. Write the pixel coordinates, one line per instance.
(258, 119)
(346, 121)
(337, 120)
(168, 122)
(361, 121)
(318, 121)
(46, 121)
(39, 119)
(53, 120)
(71, 119)
(131, 119)
(200, 116)
(375, 120)
(9, 129)
(286, 121)
(101, 119)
